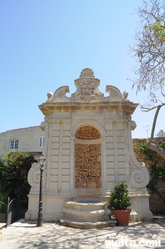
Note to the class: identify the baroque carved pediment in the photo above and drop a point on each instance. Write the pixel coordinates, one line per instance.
(87, 91)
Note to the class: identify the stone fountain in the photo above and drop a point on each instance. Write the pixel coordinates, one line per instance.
(86, 213)
(88, 148)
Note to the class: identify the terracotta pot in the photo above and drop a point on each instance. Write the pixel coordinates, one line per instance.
(122, 217)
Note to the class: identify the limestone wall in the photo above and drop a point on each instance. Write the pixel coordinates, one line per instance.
(116, 160)
(59, 157)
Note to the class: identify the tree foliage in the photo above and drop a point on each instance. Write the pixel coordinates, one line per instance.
(13, 175)
(149, 51)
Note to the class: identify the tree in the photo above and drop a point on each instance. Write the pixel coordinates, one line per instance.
(13, 175)
(149, 51)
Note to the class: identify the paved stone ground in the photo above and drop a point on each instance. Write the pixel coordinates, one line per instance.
(25, 234)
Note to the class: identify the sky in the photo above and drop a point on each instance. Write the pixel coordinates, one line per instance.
(45, 44)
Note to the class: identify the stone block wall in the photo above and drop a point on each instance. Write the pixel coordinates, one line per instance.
(60, 156)
(156, 203)
(115, 153)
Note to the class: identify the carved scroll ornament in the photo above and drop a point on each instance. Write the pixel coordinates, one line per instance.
(114, 92)
(61, 92)
(34, 176)
(140, 177)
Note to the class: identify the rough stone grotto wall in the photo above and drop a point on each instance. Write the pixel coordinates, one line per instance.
(87, 133)
(155, 202)
(87, 159)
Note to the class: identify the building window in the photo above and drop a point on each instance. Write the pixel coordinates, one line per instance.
(13, 145)
(41, 141)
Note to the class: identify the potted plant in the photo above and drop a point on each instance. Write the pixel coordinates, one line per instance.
(119, 202)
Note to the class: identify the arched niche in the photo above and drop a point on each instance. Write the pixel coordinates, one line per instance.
(87, 158)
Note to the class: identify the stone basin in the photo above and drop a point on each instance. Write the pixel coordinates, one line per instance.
(86, 210)
(87, 201)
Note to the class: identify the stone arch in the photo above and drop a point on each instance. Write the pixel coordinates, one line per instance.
(92, 123)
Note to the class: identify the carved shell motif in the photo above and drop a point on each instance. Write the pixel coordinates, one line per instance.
(87, 73)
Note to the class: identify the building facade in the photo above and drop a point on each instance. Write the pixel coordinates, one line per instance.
(29, 139)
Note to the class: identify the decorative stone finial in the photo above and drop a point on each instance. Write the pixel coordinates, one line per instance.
(125, 95)
(49, 95)
(87, 73)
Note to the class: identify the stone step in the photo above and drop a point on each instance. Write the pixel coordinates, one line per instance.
(87, 224)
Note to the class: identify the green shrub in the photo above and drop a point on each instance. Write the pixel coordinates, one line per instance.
(120, 198)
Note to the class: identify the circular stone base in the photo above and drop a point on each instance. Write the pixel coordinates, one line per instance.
(87, 224)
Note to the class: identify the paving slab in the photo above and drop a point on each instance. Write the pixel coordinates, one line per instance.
(26, 235)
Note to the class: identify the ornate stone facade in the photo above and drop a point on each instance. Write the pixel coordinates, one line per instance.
(88, 148)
